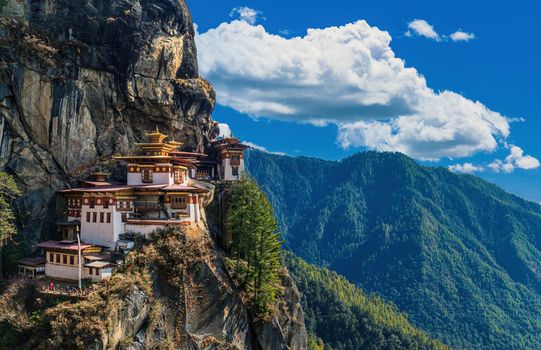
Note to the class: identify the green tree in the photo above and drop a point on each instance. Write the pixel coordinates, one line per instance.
(256, 246)
(8, 193)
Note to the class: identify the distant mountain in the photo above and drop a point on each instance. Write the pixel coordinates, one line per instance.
(343, 317)
(459, 255)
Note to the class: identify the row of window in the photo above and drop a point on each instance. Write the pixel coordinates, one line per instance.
(95, 269)
(74, 213)
(92, 203)
(74, 202)
(104, 217)
(62, 258)
(179, 202)
(123, 205)
(146, 176)
(70, 260)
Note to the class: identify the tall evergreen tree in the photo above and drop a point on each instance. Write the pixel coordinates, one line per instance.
(8, 194)
(256, 246)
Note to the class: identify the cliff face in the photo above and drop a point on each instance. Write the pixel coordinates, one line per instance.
(81, 80)
(173, 293)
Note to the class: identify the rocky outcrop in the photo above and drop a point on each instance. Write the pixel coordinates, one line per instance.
(173, 293)
(286, 326)
(81, 80)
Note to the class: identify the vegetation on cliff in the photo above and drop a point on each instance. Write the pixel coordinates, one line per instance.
(8, 193)
(171, 293)
(256, 247)
(459, 255)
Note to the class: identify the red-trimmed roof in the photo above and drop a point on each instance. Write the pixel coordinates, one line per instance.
(156, 222)
(33, 262)
(66, 245)
(96, 183)
(110, 188)
(193, 154)
(229, 142)
(184, 188)
(100, 264)
(153, 186)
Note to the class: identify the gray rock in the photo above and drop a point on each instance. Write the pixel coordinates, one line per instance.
(83, 80)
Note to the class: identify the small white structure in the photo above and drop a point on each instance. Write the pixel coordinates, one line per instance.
(231, 158)
(62, 261)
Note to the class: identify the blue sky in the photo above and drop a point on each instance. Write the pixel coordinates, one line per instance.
(291, 92)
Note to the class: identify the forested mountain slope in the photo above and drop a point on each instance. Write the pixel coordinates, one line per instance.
(343, 317)
(459, 255)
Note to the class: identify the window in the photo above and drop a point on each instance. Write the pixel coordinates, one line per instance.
(235, 159)
(235, 170)
(108, 218)
(203, 173)
(178, 202)
(94, 216)
(87, 217)
(92, 201)
(101, 217)
(146, 175)
(106, 203)
(64, 259)
(97, 271)
(72, 260)
(58, 258)
(90, 270)
(178, 176)
(51, 257)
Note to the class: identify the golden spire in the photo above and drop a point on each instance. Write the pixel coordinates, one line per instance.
(156, 136)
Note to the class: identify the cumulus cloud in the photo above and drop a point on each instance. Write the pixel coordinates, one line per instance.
(515, 159)
(459, 35)
(225, 130)
(421, 27)
(466, 168)
(348, 76)
(263, 149)
(246, 14)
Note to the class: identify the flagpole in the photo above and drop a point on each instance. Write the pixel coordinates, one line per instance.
(79, 253)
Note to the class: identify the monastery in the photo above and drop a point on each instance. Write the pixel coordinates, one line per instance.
(165, 186)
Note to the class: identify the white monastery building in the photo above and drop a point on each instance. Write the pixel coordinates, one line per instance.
(165, 186)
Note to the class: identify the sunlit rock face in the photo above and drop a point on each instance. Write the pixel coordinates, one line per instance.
(83, 80)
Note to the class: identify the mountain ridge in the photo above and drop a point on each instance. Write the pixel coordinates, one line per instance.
(456, 253)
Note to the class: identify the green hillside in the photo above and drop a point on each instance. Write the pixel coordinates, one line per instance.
(343, 317)
(459, 255)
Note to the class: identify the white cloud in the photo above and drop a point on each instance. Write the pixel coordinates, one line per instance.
(422, 28)
(225, 130)
(466, 168)
(246, 14)
(348, 76)
(459, 35)
(263, 149)
(515, 159)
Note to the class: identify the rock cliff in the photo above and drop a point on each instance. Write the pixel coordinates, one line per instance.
(173, 293)
(81, 80)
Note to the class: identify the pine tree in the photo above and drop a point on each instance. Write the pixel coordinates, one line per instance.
(8, 193)
(256, 246)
